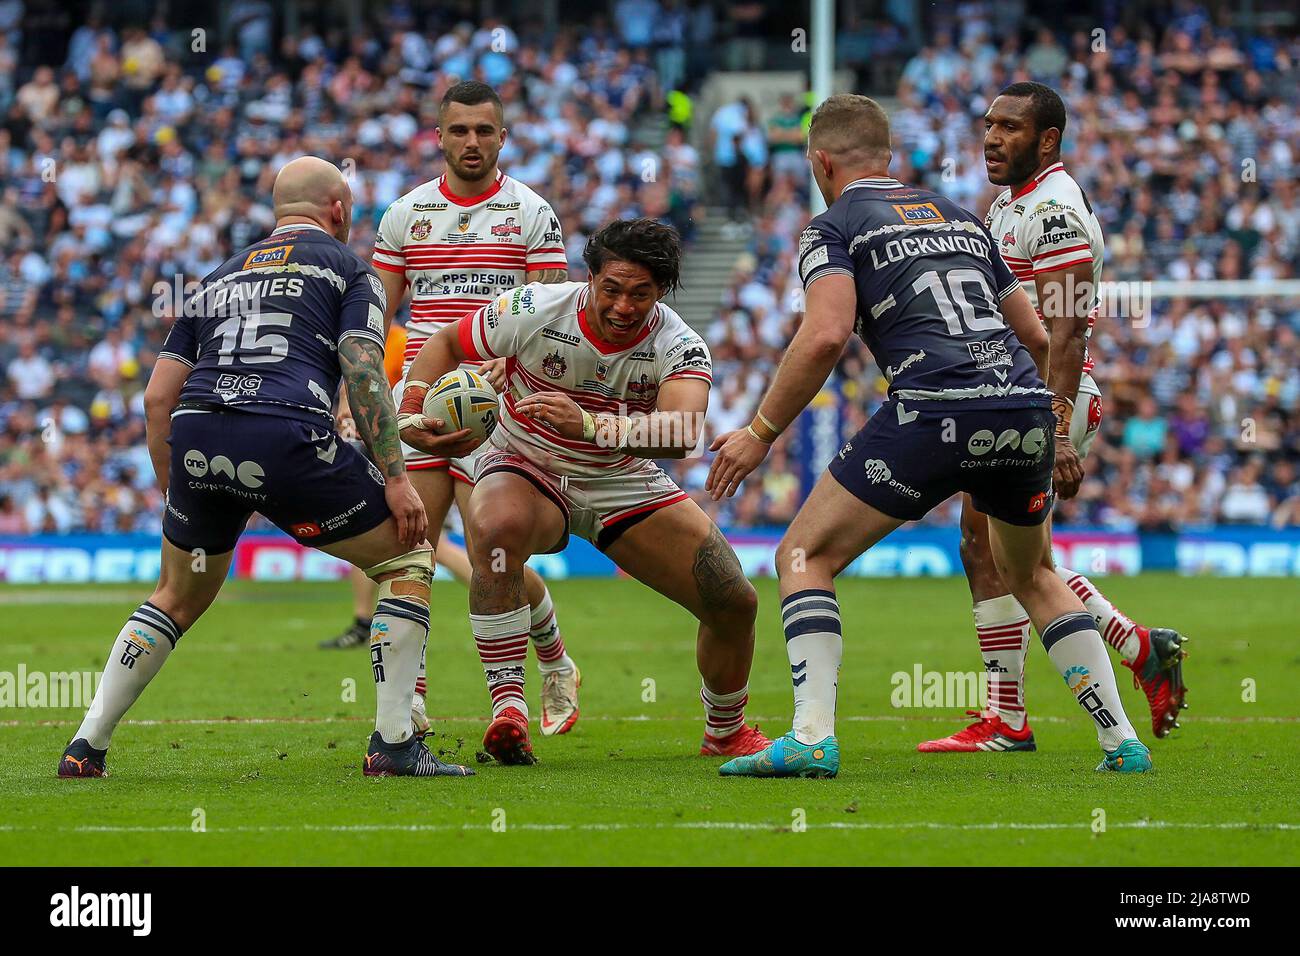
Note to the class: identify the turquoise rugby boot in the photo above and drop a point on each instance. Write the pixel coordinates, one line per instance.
(787, 757)
(1131, 756)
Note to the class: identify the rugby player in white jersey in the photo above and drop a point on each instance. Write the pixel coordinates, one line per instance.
(1049, 237)
(457, 242)
(601, 379)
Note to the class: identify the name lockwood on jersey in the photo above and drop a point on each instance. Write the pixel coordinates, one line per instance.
(947, 340)
(458, 253)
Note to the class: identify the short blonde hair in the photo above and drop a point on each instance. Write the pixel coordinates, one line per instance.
(852, 127)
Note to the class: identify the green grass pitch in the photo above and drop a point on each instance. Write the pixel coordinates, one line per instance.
(248, 730)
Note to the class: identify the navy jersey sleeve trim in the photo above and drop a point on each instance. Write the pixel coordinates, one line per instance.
(1015, 284)
(364, 334)
(176, 358)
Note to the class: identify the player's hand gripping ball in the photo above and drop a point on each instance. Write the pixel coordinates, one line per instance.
(460, 404)
(462, 399)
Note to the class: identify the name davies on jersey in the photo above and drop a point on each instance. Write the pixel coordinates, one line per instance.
(226, 296)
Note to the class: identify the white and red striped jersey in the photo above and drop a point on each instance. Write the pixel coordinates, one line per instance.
(1047, 226)
(458, 253)
(544, 333)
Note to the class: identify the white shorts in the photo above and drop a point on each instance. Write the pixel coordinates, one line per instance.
(461, 469)
(598, 508)
(1085, 422)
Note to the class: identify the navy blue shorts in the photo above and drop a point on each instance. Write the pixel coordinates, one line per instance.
(303, 477)
(904, 463)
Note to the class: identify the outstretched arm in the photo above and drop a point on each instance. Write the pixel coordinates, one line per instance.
(827, 325)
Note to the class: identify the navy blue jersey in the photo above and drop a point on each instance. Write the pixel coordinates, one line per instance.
(929, 282)
(262, 335)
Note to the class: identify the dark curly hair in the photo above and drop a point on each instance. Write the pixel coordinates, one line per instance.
(646, 242)
(1046, 105)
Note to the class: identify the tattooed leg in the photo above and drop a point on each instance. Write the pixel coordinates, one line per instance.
(709, 583)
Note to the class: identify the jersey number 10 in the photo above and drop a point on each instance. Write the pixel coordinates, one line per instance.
(944, 298)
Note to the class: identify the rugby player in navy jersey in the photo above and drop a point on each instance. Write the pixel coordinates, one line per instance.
(920, 280)
(242, 393)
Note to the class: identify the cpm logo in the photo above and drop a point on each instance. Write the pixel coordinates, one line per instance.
(263, 258)
(919, 212)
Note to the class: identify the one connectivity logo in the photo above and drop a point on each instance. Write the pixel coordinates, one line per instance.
(134, 910)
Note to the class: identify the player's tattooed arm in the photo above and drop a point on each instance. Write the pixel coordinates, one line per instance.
(550, 276)
(717, 572)
(371, 402)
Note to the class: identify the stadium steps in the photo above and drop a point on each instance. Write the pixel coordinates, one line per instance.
(707, 266)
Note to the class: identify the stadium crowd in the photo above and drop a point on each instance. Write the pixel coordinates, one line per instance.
(134, 162)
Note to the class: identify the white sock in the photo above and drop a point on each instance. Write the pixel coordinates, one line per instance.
(397, 635)
(724, 714)
(544, 631)
(811, 620)
(1079, 654)
(1003, 629)
(139, 652)
(502, 641)
(1116, 629)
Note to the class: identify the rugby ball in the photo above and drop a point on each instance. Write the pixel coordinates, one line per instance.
(463, 399)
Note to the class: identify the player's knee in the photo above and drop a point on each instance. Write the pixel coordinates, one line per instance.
(500, 544)
(183, 609)
(405, 577)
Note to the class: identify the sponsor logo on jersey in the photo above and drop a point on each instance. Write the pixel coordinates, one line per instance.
(429, 206)
(555, 225)
(231, 385)
(1038, 502)
(989, 354)
(305, 529)
(552, 237)
(981, 443)
(507, 228)
(564, 337)
(848, 447)
(645, 387)
(554, 365)
(1034, 442)
(1050, 205)
(807, 239)
(602, 370)
(919, 212)
(1009, 239)
(877, 471)
(642, 357)
(502, 206)
(1010, 438)
(274, 256)
(818, 257)
(1018, 208)
(462, 224)
(420, 229)
(522, 301)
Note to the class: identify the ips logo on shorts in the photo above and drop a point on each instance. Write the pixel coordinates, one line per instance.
(918, 212)
(263, 258)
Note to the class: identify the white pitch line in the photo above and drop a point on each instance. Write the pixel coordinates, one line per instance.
(682, 825)
(636, 718)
